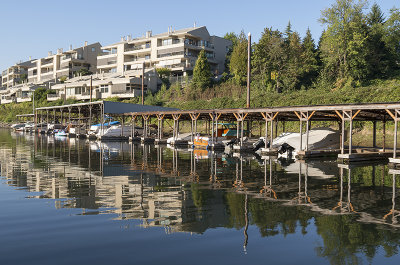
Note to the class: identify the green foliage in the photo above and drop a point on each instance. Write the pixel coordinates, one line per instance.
(343, 43)
(201, 73)
(238, 60)
(163, 72)
(62, 79)
(83, 71)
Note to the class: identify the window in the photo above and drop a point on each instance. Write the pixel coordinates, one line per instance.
(93, 49)
(148, 45)
(104, 88)
(147, 57)
(113, 50)
(113, 70)
(166, 42)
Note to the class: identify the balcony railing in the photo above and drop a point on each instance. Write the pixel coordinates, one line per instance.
(136, 48)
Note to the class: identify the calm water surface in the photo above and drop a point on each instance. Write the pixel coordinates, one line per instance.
(68, 201)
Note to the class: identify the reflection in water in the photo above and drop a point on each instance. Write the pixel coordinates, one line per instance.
(196, 190)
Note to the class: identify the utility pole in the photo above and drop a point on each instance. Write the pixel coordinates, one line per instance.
(91, 87)
(248, 70)
(33, 102)
(143, 84)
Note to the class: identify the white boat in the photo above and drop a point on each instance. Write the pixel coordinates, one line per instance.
(18, 126)
(60, 133)
(180, 137)
(75, 130)
(318, 139)
(115, 131)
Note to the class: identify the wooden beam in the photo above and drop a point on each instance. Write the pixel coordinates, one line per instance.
(391, 114)
(298, 116)
(312, 114)
(355, 115)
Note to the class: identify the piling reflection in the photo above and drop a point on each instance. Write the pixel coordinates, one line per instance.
(195, 190)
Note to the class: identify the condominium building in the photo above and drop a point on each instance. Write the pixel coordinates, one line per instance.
(64, 63)
(104, 86)
(176, 49)
(16, 74)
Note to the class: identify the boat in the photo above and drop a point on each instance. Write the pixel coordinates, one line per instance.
(319, 138)
(115, 131)
(95, 128)
(225, 133)
(75, 129)
(181, 137)
(18, 126)
(60, 133)
(288, 143)
(53, 128)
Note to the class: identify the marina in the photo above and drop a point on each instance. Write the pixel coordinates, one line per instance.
(240, 129)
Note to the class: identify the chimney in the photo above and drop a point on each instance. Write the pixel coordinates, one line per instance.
(50, 53)
(30, 58)
(148, 34)
(60, 50)
(85, 43)
(70, 47)
(122, 38)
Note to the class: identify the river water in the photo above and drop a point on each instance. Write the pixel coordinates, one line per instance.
(69, 201)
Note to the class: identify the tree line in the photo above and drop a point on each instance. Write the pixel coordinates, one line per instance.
(355, 46)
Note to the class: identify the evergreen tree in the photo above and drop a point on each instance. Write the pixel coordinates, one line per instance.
(309, 59)
(234, 39)
(238, 60)
(201, 72)
(268, 60)
(379, 60)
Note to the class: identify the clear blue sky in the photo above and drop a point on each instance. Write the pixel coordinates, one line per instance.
(34, 27)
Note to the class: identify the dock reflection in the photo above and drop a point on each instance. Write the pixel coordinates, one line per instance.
(194, 190)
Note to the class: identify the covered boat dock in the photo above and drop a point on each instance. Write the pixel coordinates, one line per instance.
(344, 114)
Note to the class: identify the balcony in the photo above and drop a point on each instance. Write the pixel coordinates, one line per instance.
(134, 49)
(24, 99)
(70, 57)
(53, 97)
(7, 99)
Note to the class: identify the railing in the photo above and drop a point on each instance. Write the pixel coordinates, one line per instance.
(170, 54)
(136, 48)
(53, 95)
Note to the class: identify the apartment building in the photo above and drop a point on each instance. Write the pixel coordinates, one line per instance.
(176, 49)
(104, 86)
(16, 74)
(64, 63)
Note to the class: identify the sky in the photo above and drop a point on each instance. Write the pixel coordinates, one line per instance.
(34, 27)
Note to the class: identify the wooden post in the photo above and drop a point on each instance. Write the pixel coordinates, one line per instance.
(351, 133)
(307, 132)
(216, 128)
(272, 133)
(342, 140)
(266, 134)
(374, 134)
(395, 136)
(212, 129)
(384, 135)
(301, 135)
(191, 130)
